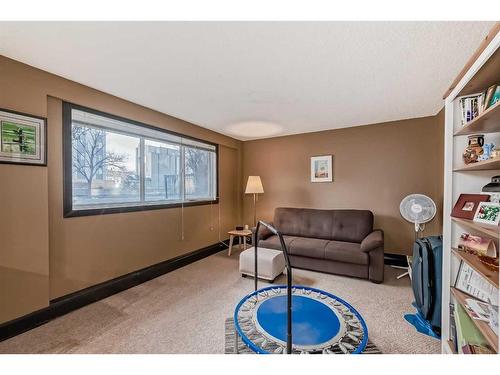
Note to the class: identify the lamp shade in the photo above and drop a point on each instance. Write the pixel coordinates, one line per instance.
(254, 185)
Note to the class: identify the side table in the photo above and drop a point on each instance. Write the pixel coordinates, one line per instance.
(241, 234)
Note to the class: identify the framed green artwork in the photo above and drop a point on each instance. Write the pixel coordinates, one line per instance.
(23, 138)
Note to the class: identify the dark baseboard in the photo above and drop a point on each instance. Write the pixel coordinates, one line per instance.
(395, 260)
(73, 301)
(65, 304)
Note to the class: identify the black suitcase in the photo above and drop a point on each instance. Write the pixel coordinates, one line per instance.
(426, 279)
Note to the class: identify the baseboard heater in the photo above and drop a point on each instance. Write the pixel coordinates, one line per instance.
(395, 260)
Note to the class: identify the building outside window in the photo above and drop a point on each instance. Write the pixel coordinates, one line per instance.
(119, 164)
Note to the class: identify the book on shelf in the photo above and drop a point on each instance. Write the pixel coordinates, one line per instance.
(459, 343)
(491, 96)
(477, 245)
(470, 106)
(477, 349)
(474, 105)
(467, 332)
(467, 349)
(478, 310)
(453, 328)
(472, 283)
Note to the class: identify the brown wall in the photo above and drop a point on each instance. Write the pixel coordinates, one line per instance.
(83, 251)
(374, 167)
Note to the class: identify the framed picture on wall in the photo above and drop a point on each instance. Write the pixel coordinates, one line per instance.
(23, 138)
(321, 168)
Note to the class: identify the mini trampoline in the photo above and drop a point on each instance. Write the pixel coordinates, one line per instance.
(297, 319)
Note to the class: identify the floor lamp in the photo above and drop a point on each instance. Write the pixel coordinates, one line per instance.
(254, 186)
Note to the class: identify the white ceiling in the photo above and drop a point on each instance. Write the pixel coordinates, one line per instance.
(257, 79)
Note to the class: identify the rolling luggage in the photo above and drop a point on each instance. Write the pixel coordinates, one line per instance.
(426, 279)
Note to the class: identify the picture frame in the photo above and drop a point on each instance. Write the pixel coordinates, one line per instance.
(467, 204)
(23, 138)
(322, 168)
(488, 213)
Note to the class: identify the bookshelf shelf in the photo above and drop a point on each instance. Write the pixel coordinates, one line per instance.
(489, 230)
(491, 164)
(487, 122)
(473, 261)
(483, 327)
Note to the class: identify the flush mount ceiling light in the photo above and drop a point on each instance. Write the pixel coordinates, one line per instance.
(254, 129)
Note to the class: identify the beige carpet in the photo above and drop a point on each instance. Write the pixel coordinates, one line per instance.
(184, 312)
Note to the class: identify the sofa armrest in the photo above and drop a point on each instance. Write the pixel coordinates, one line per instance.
(264, 233)
(373, 241)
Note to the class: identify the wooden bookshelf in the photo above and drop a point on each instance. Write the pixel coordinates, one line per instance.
(481, 72)
(483, 327)
(488, 75)
(475, 263)
(489, 230)
(451, 347)
(491, 164)
(487, 122)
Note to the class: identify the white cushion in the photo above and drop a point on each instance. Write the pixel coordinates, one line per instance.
(271, 263)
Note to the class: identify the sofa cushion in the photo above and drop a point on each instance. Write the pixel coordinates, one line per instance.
(308, 247)
(338, 225)
(351, 225)
(273, 242)
(347, 252)
(288, 220)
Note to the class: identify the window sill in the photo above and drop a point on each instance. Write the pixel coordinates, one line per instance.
(124, 209)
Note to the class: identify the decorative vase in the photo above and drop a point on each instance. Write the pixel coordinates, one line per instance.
(487, 150)
(474, 148)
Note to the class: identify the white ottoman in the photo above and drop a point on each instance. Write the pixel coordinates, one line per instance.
(271, 263)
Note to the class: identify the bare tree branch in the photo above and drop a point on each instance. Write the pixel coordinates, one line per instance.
(197, 163)
(90, 156)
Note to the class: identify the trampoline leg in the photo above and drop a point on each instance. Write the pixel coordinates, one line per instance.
(236, 351)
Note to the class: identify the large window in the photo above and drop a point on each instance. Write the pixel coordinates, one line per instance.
(116, 165)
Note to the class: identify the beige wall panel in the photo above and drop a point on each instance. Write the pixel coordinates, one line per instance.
(24, 244)
(374, 166)
(87, 250)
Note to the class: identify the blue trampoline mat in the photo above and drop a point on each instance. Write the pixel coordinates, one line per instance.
(312, 321)
(321, 322)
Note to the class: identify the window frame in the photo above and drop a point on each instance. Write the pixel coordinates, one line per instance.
(70, 211)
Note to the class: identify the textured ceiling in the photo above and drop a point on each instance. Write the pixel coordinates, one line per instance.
(257, 79)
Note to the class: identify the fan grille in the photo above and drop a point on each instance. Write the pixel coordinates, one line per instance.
(417, 208)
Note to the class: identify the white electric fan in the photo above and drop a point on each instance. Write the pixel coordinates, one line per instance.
(418, 209)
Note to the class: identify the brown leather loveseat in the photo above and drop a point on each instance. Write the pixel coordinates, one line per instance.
(333, 241)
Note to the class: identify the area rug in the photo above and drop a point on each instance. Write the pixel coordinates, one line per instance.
(243, 349)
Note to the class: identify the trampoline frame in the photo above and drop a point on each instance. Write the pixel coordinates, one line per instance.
(238, 330)
(288, 278)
